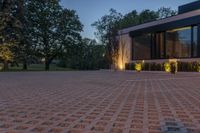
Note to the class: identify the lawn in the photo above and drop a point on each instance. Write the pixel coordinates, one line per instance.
(36, 67)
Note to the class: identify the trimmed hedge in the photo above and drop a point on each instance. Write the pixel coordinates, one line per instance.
(182, 66)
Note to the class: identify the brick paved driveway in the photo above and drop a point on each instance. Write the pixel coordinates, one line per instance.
(99, 102)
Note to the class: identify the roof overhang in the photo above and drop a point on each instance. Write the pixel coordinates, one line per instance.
(185, 19)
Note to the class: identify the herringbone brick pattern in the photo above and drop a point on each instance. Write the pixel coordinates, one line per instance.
(99, 102)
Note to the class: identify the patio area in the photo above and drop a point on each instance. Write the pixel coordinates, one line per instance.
(99, 102)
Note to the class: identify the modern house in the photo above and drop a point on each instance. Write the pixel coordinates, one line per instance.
(157, 41)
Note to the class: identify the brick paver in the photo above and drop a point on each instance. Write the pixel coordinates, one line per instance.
(99, 102)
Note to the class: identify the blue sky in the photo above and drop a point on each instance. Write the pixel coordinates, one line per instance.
(91, 10)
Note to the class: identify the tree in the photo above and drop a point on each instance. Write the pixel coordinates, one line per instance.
(6, 55)
(93, 55)
(147, 15)
(69, 32)
(26, 50)
(165, 12)
(53, 28)
(129, 19)
(87, 55)
(134, 18)
(23, 50)
(107, 30)
(8, 30)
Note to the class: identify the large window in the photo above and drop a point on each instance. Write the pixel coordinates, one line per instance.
(142, 47)
(178, 43)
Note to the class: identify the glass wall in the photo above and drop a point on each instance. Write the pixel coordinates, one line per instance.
(142, 47)
(178, 43)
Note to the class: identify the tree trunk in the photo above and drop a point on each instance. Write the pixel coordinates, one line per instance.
(17, 64)
(5, 67)
(47, 64)
(25, 65)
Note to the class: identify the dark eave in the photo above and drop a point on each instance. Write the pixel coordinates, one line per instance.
(189, 7)
(181, 20)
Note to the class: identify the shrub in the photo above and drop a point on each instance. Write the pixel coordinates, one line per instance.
(138, 67)
(62, 63)
(167, 67)
(174, 67)
(153, 66)
(132, 66)
(198, 67)
(180, 66)
(127, 66)
(146, 67)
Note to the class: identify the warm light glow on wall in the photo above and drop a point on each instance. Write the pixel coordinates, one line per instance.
(124, 53)
(121, 63)
(121, 66)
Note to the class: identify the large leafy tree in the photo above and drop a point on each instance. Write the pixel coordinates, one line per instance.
(165, 12)
(24, 51)
(53, 28)
(147, 15)
(9, 26)
(93, 54)
(107, 28)
(69, 32)
(87, 55)
(129, 19)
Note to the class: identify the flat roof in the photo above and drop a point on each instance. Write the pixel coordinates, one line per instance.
(160, 22)
(189, 7)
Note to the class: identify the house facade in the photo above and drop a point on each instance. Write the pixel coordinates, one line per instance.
(176, 37)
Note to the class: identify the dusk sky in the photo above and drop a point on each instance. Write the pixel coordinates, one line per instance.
(91, 10)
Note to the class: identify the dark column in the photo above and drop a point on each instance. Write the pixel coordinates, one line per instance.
(153, 45)
(132, 48)
(158, 44)
(192, 42)
(152, 55)
(198, 41)
(165, 43)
